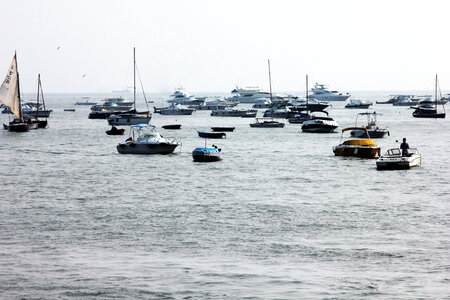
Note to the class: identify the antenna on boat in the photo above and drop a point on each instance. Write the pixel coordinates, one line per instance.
(270, 81)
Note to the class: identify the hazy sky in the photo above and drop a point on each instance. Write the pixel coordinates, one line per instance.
(207, 46)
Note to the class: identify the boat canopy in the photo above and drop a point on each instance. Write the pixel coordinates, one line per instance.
(354, 128)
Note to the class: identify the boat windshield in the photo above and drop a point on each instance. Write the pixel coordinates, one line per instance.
(394, 152)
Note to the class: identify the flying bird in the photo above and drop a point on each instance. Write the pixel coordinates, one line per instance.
(58, 48)
(84, 75)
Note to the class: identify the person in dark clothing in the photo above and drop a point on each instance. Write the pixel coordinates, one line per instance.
(404, 146)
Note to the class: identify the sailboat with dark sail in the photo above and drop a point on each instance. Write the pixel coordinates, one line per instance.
(10, 96)
(431, 112)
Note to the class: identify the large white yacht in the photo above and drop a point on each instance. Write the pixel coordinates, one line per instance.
(182, 97)
(320, 92)
(248, 94)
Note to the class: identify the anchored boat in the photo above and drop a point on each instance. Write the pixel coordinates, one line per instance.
(267, 123)
(374, 131)
(144, 139)
(364, 148)
(207, 154)
(393, 160)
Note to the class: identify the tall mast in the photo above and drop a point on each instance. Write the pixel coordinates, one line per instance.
(18, 88)
(134, 77)
(307, 109)
(435, 94)
(37, 98)
(270, 81)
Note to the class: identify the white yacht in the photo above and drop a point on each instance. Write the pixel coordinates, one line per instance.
(320, 92)
(176, 109)
(215, 104)
(182, 97)
(248, 94)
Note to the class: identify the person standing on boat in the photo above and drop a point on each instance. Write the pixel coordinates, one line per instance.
(404, 146)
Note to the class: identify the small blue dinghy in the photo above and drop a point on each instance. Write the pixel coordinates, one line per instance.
(207, 154)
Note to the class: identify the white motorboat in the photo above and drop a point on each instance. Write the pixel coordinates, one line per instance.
(129, 118)
(320, 124)
(405, 100)
(176, 109)
(144, 139)
(248, 94)
(393, 159)
(263, 103)
(372, 128)
(280, 112)
(182, 97)
(320, 92)
(358, 103)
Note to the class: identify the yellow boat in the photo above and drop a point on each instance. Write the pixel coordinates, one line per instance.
(365, 148)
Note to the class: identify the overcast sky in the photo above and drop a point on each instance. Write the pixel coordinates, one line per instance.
(212, 46)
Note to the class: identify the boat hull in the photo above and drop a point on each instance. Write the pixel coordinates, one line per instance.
(146, 148)
(115, 132)
(431, 116)
(128, 120)
(212, 135)
(202, 155)
(356, 151)
(362, 106)
(172, 126)
(228, 129)
(17, 127)
(269, 125)
(399, 163)
(184, 112)
(316, 128)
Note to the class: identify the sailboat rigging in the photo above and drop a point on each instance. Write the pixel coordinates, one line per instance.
(10, 96)
(132, 117)
(430, 112)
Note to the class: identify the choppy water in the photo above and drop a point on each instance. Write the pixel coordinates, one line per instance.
(279, 217)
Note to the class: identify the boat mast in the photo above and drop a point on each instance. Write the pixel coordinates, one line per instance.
(18, 88)
(134, 77)
(307, 108)
(435, 94)
(270, 81)
(37, 98)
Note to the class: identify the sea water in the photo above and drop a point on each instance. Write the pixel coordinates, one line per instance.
(279, 217)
